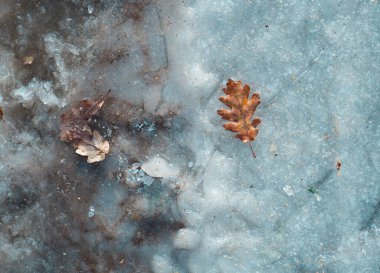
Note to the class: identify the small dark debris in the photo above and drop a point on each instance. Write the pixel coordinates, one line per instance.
(145, 126)
(312, 190)
(338, 165)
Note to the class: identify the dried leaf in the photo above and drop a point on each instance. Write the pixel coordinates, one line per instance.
(73, 123)
(76, 130)
(242, 109)
(95, 150)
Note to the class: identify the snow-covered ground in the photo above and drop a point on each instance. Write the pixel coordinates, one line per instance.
(178, 193)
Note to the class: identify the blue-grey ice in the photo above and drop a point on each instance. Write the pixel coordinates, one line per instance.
(178, 193)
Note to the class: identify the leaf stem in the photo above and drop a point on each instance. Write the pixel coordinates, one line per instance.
(97, 103)
(253, 153)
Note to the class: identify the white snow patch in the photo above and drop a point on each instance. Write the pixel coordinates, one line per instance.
(288, 190)
(186, 239)
(159, 167)
(41, 89)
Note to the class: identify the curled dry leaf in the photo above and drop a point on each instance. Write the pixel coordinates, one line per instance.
(95, 150)
(75, 130)
(242, 109)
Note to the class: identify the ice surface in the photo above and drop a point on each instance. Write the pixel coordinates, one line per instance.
(178, 193)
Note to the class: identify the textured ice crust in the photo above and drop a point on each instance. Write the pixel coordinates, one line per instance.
(178, 193)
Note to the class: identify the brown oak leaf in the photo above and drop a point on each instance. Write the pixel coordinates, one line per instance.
(242, 109)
